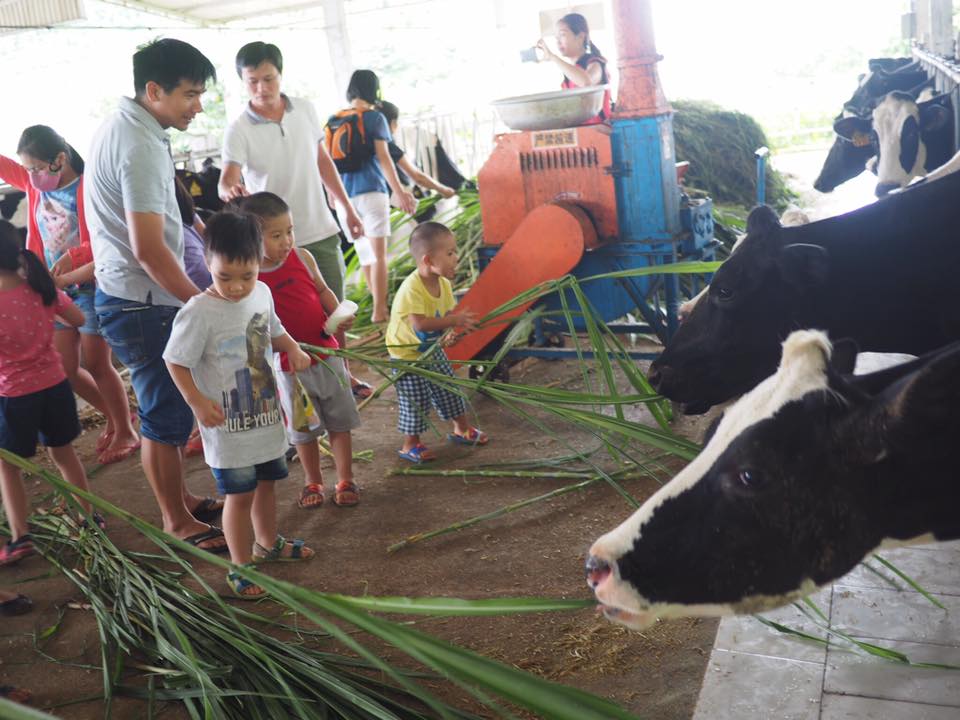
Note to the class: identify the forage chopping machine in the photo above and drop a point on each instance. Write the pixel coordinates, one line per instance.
(591, 200)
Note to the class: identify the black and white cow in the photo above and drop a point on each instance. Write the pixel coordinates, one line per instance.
(850, 151)
(800, 480)
(884, 275)
(791, 216)
(14, 207)
(909, 137)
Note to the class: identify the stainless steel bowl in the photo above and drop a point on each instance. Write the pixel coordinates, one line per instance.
(551, 110)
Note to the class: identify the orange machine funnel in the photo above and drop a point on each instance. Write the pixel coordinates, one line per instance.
(546, 245)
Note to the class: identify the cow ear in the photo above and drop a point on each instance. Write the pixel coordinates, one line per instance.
(761, 219)
(934, 116)
(912, 412)
(804, 265)
(844, 357)
(853, 126)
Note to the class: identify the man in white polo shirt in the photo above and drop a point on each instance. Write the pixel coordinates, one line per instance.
(276, 144)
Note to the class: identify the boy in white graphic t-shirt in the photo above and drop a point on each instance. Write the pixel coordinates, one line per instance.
(220, 357)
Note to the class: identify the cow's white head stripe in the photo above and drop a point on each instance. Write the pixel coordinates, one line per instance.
(802, 370)
(888, 121)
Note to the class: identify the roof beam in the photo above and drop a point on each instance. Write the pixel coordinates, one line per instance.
(153, 9)
(274, 11)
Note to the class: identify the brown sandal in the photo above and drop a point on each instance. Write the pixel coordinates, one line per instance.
(309, 492)
(346, 494)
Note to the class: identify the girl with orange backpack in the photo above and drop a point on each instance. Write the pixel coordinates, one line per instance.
(358, 139)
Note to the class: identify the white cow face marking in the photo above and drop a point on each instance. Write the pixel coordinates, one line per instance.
(901, 153)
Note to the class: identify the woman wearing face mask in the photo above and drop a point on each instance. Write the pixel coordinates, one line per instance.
(579, 60)
(50, 171)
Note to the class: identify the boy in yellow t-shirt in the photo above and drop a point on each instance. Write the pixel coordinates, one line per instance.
(422, 311)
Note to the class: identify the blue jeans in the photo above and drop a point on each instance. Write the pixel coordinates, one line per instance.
(234, 481)
(83, 299)
(138, 333)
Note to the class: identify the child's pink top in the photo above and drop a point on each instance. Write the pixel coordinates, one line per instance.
(28, 361)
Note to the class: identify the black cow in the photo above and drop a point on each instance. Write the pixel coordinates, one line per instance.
(884, 275)
(202, 187)
(890, 64)
(801, 479)
(849, 153)
(909, 138)
(445, 171)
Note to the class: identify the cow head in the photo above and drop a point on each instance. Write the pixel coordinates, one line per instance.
(802, 477)
(849, 153)
(731, 338)
(900, 124)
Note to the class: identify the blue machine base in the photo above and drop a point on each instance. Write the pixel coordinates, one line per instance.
(655, 297)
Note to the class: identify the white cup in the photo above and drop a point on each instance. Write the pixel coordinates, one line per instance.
(347, 308)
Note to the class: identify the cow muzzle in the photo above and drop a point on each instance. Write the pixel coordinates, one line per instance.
(597, 571)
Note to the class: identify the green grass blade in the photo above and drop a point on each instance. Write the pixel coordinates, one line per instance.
(909, 581)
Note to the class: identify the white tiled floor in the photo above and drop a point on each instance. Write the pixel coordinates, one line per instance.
(758, 672)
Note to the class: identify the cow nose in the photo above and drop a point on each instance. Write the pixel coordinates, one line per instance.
(885, 188)
(596, 570)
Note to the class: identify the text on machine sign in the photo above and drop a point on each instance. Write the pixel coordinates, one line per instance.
(554, 139)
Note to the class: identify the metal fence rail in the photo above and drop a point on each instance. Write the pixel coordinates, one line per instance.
(946, 74)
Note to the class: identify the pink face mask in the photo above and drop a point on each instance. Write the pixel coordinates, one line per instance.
(45, 180)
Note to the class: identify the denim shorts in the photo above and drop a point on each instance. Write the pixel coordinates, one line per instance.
(49, 414)
(138, 333)
(83, 299)
(233, 481)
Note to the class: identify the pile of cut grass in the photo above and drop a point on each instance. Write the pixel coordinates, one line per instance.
(719, 145)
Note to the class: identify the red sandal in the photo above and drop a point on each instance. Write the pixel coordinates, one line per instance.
(347, 494)
(309, 492)
(16, 550)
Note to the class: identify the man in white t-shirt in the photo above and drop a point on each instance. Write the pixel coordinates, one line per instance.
(276, 144)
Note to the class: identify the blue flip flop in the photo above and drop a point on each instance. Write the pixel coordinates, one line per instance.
(416, 454)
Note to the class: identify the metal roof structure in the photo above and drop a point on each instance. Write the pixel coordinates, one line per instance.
(32, 14)
(217, 13)
(19, 14)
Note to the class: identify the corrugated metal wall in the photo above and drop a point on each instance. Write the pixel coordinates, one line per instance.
(28, 14)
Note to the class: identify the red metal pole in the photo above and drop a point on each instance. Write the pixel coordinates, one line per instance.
(639, 94)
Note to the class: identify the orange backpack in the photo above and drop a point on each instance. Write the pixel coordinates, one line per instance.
(346, 140)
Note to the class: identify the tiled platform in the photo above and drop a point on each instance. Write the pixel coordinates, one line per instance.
(757, 672)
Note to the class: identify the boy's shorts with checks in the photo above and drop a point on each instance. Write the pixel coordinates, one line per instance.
(416, 394)
(328, 386)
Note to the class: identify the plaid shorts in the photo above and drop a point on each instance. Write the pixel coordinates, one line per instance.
(416, 394)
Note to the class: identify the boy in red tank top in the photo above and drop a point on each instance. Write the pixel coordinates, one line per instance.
(303, 302)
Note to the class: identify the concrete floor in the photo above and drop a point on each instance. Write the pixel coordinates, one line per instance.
(758, 672)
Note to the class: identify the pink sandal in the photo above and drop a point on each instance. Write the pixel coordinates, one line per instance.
(16, 550)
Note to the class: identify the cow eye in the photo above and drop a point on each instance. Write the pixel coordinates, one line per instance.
(749, 478)
(724, 293)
